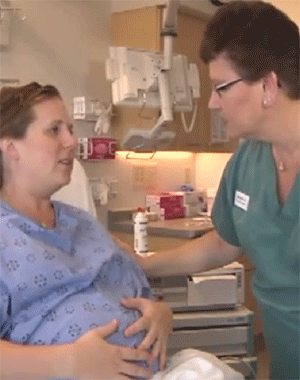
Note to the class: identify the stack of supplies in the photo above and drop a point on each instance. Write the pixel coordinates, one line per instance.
(166, 205)
(194, 202)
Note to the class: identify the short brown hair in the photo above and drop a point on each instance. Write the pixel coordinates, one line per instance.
(258, 38)
(16, 110)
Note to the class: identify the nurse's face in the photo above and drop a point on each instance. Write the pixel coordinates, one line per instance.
(45, 155)
(239, 102)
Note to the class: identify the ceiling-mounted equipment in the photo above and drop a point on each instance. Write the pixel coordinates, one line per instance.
(142, 78)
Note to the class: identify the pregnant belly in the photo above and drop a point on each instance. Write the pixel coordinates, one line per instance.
(77, 314)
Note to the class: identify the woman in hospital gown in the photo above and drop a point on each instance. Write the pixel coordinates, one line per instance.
(73, 305)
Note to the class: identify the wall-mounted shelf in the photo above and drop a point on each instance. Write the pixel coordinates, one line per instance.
(9, 81)
(6, 13)
(16, 10)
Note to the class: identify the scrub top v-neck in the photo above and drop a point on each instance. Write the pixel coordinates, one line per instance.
(287, 207)
(247, 213)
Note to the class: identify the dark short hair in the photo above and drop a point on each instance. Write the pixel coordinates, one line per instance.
(257, 38)
(16, 110)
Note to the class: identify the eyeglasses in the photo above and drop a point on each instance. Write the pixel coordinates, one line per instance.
(225, 86)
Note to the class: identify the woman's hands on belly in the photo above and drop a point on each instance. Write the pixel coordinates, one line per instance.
(91, 357)
(157, 319)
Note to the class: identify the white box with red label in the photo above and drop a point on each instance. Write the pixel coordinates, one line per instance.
(171, 204)
(97, 148)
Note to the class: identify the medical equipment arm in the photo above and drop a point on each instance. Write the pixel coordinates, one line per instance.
(142, 78)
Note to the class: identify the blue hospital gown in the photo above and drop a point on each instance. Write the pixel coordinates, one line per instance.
(56, 284)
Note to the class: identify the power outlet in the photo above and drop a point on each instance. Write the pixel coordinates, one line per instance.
(187, 175)
(144, 177)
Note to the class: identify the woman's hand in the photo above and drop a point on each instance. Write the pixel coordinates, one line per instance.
(94, 358)
(157, 320)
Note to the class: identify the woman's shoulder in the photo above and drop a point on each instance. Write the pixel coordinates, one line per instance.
(6, 212)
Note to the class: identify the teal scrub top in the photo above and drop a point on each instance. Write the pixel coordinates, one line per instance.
(247, 213)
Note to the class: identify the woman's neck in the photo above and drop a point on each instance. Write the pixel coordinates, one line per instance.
(286, 146)
(38, 208)
(284, 127)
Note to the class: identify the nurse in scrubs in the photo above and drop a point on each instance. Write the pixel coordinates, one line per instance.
(252, 50)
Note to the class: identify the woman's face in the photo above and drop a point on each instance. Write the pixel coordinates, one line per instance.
(239, 103)
(45, 156)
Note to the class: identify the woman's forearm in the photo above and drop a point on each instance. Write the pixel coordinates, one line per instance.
(34, 362)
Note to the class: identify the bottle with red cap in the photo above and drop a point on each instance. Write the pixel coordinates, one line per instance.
(140, 232)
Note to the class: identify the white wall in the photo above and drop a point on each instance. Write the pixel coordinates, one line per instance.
(201, 5)
(290, 7)
(65, 43)
(60, 42)
(209, 169)
(170, 175)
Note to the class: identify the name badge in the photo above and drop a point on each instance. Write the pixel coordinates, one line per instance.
(241, 200)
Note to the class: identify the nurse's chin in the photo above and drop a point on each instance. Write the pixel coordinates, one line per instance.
(232, 133)
(235, 132)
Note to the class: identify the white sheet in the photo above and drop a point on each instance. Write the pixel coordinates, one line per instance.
(193, 364)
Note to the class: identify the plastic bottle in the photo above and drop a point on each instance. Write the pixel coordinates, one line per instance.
(140, 232)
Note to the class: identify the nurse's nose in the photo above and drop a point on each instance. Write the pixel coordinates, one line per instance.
(214, 100)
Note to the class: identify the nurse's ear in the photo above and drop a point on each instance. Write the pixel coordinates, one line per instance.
(9, 148)
(270, 89)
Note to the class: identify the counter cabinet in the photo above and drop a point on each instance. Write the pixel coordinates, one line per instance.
(141, 28)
